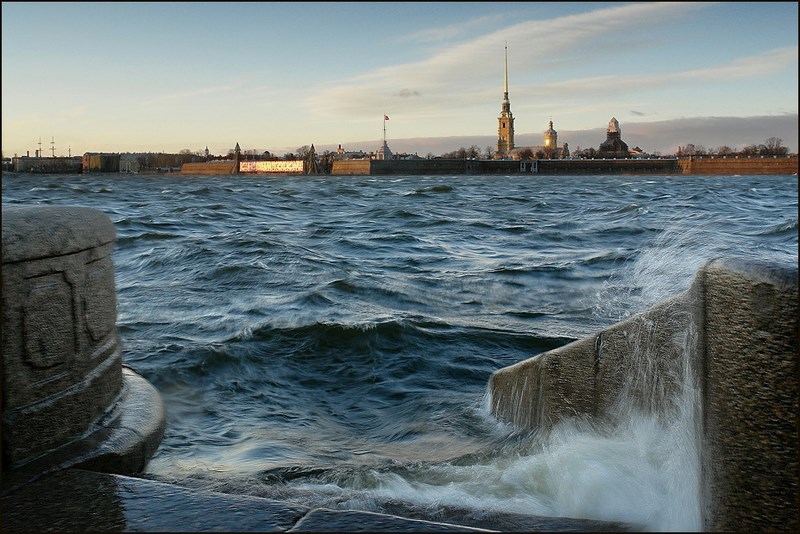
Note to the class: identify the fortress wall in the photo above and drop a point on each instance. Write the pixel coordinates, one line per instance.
(735, 332)
(608, 166)
(419, 166)
(731, 165)
(209, 167)
(295, 166)
(351, 166)
(429, 166)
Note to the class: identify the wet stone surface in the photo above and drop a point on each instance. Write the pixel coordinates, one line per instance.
(77, 500)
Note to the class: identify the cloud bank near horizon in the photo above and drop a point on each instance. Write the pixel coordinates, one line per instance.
(654, 137)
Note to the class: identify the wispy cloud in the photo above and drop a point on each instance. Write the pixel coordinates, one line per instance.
(453, 31)
(752, 67)
(473, 67)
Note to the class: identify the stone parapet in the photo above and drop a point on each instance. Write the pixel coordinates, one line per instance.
(640, 358)
(66, 397)
(750, 396)
(733, 335)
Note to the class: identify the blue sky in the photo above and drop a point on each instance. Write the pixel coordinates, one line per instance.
(276, 76)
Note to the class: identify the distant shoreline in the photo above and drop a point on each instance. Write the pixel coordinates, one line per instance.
(690, 165)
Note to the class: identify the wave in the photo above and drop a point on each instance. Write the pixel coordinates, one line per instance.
(146, 236)
(432, 189)
(788, 227)
(394, 335)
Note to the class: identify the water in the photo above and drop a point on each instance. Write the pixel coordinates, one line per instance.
(329, 340)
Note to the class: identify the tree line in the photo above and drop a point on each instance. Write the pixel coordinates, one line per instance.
(771, 147)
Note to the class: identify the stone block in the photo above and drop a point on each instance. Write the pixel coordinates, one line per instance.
(750, 397)
(567, 382)
(65, 396)
(641, 360)
(61, 366)
(540, 391)
(514, 392)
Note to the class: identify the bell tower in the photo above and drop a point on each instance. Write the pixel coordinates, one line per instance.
(505, 122)
(550, 137)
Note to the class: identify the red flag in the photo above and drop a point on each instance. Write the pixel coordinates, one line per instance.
(386, 117)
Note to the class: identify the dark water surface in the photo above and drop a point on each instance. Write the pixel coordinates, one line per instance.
(329, 339)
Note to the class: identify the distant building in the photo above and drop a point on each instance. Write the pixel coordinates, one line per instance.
(131, 163)
(100, 162)
(39, 164)
(636, 152)
(548, 150)
(613, 147)
(383, 152)
(341, 153)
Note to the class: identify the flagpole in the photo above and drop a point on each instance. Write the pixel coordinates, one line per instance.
(384, 128)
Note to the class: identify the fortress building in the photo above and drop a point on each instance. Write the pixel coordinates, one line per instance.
(613, 146)
(505, 122)
(548, 150)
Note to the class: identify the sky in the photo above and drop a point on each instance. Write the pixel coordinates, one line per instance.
(274, 76)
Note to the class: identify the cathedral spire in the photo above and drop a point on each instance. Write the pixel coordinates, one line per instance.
(505, 122)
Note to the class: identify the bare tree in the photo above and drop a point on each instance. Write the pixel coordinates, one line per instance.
(302, 152)
(692, 150)
(774, 147)
(749, 150)
(474, 152)
(774, 143)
